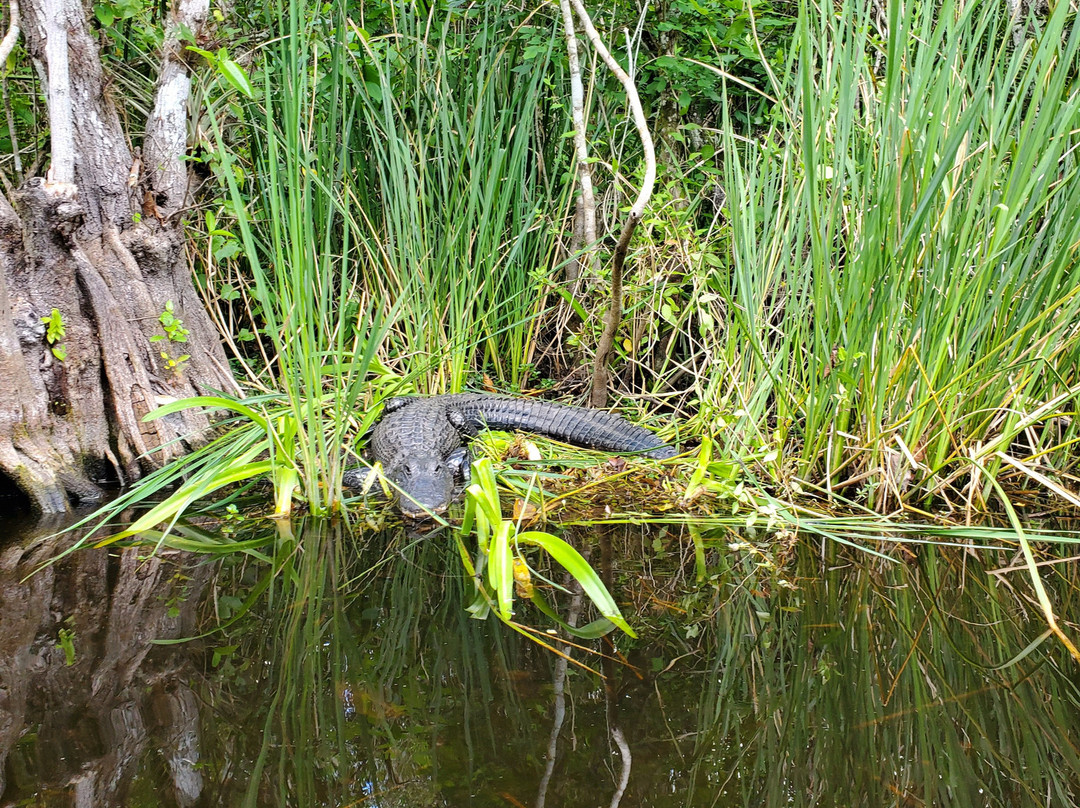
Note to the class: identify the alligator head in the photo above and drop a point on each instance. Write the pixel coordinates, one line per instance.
(426, 484)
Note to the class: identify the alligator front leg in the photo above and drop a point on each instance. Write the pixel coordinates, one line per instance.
(360, 478)
(462, 423)
(460, 463)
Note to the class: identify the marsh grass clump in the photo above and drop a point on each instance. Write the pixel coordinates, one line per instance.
(865, 301)
(884, 309)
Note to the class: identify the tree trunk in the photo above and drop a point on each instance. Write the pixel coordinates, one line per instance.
(101, 243)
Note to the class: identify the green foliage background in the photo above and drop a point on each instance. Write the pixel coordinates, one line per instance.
(856, 273)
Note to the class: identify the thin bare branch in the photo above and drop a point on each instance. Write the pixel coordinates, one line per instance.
(613, 316)
(586, 209)
(6, 46)
(636, 109)
(12, 35)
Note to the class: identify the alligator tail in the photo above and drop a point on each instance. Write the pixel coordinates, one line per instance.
(594, 429)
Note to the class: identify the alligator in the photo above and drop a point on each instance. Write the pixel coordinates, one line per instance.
(420, 441)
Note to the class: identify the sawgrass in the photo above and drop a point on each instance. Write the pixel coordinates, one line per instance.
(914, 658)
(461, 191)
(885, 309)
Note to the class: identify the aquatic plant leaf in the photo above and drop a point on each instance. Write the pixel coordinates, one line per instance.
(216, 402)
(594, 630)
(703, 459)
(579, 568)
(501, 569)
(286, 481)
(171, 508)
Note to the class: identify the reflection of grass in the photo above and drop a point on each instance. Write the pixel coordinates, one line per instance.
(902, 684)
(868, 684)
(339, 669)
(303, 728)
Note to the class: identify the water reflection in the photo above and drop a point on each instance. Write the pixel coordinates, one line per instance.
(359, 679)
(85, 697)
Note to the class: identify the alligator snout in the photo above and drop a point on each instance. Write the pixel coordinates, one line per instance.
(425, 486)
(411, 509)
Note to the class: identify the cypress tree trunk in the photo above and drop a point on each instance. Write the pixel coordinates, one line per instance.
(99, 239)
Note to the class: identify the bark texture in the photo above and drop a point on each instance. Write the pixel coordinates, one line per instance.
(107, 252)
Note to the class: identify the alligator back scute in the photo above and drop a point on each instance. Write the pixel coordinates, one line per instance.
(419, 427)
(594, 429)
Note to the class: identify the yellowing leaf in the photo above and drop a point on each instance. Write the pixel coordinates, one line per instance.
(522, 578)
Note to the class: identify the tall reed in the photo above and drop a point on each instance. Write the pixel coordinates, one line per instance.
(901, 303)
(461, 190)
(295, 213)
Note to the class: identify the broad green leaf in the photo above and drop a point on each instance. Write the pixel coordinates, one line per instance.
(579, 310)
(216, 402)
(488, 496)
(207, 55)
(236, 76)
(501, 569)
(584, 574)
(173, 506)
(105, 14)
(286, 481)
(468, 516)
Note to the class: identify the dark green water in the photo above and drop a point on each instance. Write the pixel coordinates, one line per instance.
(358, 679)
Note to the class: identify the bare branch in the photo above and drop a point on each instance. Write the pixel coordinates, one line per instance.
(598, 396)
(61, 121)
(635, 107)
(612, 317)
(587, 201)
(8, 43)
(166, 129)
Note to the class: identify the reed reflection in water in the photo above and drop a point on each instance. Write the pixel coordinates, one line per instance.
(358, 678)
